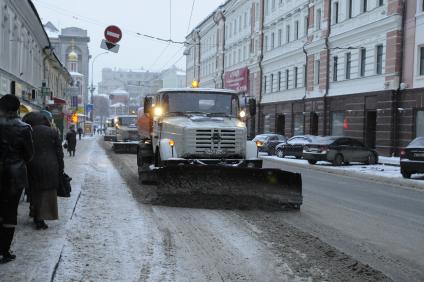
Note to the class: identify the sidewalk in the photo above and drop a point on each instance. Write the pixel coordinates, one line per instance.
(38, 251)
(385, 172)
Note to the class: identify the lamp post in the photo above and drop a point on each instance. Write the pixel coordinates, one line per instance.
(92, 88)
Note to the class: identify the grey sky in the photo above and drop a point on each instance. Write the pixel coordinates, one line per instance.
(144, 16)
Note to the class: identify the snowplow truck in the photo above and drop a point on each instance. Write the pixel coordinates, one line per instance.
(127, 137)
(194, 149)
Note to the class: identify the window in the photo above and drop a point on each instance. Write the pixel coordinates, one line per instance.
(316, 71)
(363, 62)
(272, 40)
(337, 123)
(305, 31)
(318, 20)
(272, 83)
(380, 2)
(421, 60)
(348, 64)
(265, 90)
(295, 77)
(335, 66)
(266, 8)
(287, 34)
(419, 123)
(349, 9)
(298, 124)
(305, 77)
(279, 81)
(364, 5)
(266, 43)
(336, 12)
(280, 37)
(379, 60)
(273, 5)
(296, 30)
(245, 20)
(287, 79)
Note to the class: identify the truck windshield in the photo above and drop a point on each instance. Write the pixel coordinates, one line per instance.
(204, 103)
(125, 121)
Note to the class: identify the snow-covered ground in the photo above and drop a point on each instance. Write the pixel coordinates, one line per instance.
(386, 170)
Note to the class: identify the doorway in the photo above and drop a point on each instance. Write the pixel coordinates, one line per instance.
(370, 129)
(314, 124)
(280, 124)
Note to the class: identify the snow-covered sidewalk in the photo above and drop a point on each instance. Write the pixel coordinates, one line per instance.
(389, 173)
(38, 251)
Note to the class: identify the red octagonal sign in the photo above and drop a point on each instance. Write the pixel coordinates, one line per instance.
(113, 34)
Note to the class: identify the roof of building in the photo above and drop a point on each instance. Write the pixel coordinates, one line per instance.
(119, 92)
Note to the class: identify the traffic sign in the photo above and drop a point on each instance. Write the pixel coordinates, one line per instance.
(109, 46)
(113, 34)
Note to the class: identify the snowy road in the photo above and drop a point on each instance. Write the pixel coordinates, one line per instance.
(111, 235)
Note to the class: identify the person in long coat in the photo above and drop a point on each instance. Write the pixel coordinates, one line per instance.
(45, 170)
(16, 150)
(71, 140)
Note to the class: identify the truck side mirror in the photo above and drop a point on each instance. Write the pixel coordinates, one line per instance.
(252, 107)
(148, 105)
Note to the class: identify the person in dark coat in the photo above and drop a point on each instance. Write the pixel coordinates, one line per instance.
(71, 140)
(16, 149)
(80, 131)
(44, 170)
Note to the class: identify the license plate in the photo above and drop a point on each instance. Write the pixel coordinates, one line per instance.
(215, 152)
(419, 155)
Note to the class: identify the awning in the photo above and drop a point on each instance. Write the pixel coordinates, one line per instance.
(24, 109)
(59, 101)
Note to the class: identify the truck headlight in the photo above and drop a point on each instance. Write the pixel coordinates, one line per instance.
(158, 111)
(242, 114)
(259, 143)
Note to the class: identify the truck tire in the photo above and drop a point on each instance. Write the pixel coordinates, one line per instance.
(144, 154)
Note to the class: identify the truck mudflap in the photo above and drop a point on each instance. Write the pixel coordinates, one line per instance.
(214, 186)
(125, 147)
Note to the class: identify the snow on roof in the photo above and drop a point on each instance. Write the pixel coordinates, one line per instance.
(119, 92)
(181, 73)
(207, 90)
(75, 73)
(51, 30)
(117, 105)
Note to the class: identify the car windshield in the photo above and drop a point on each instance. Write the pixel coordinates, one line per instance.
(327, 140)
(126, 121)
(417, 142)
(203, 103)
(262, 138)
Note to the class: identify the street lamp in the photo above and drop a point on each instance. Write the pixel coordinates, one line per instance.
(92, 88)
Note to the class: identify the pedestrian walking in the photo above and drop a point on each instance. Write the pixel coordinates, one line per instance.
(71, 140)
(80, 131)
(45, 170)
(16, 149)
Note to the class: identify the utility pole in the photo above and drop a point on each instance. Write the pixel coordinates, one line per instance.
(92, 88)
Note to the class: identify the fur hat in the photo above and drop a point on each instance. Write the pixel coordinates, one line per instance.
(9, 103)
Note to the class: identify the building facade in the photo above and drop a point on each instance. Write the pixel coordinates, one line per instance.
(29, 67)
(340, 67)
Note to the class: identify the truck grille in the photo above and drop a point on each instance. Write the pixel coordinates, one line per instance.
(216, 139)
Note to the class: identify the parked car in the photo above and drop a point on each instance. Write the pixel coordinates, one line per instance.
(412, 158)
(339, 151)
(294, 146)
(267, 142)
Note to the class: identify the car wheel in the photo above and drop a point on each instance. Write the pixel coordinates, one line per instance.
(338, 160)
(280, 153)
(406, 174)
(372, 160)
(312, 162)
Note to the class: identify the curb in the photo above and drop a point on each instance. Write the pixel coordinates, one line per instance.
(404, 183)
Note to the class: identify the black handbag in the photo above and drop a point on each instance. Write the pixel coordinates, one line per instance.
(65, 188)
(65, 145)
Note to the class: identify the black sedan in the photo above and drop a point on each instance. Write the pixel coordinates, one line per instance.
(339, 151)
(267, 142)
(412, 158)
(294, 146)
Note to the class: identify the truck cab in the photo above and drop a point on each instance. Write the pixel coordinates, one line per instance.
(195, 125)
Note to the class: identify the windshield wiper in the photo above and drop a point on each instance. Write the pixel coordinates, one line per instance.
(218, 115)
